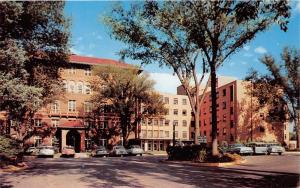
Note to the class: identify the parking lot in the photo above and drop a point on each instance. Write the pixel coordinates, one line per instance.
(149, 171)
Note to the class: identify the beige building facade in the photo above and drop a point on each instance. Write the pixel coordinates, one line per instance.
(157, 132)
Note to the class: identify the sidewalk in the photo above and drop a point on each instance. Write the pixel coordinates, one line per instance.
(160, 153)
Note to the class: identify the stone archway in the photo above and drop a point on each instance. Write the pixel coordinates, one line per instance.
(73, 139)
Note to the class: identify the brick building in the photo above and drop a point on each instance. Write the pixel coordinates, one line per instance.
(239, 118)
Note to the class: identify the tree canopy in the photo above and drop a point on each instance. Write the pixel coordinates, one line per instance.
(33, 46)
(280, 87)
(188, 35)
(129, 94)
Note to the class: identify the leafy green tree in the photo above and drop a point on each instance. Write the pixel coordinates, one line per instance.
(33, 46)
(127, 93)
(179, 33)
(280, 87)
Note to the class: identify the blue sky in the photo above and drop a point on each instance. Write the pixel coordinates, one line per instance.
(91, 38)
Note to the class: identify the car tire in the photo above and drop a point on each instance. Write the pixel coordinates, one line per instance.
(141, 154)
(279, 153)
(268, 153)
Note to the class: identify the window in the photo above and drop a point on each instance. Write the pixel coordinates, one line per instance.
(184, 113)
(166, 100)
(87, 107)
(176, 134)
(65, 86)
(224, 118)
(72, 86)
(231, 110)
(231, 93)
(155, 134)
(261, 129)
(88, 89)
(175, 111)
(72, 70)
(144, 134)
(262, 116)
(55, 122)
(167, 134)
(175, 122)
(55, 106)
(224, 131)
(224, 92)
(37, 141)
(224, 105)
(150, 134)
(175, 101)
(155, 121)
(231, 124)
(80, 87)
(161, 134)
(72, 105)
(231, 138)
(184, 134)
(167, 122)
(184, 123)
(183, 101)
(87, 72)
(204, 133)
(38, 122)
(143, 122)
(167, 111)
(161, 122)
(149, 121)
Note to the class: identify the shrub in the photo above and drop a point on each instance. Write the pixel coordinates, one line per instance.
(10, 150)
(186, 153)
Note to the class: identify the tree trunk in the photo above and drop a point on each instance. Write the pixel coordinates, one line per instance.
(197, 115)
(215, 151)
(297, 119)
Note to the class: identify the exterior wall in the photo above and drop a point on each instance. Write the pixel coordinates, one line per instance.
(237, 115)
(157, 132)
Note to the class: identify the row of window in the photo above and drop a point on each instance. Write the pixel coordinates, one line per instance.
(87, 106)
(224, 93)
(176, 112)
(210, 122)
(224, 107)
(161, 122)
(56, 122)
(175, 101)
(77, 87)
(162, 134)
(72, 70)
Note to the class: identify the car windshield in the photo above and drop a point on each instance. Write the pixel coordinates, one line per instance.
(101, 148)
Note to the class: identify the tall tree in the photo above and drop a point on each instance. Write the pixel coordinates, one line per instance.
(280, 87)
(173, 33)
(128, 94)
(33, 46)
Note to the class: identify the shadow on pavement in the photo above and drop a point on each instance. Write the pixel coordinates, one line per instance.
(106, 172)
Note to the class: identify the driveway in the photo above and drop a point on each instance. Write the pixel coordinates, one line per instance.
(148, 171)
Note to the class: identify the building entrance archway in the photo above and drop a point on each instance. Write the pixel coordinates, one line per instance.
(73, 139)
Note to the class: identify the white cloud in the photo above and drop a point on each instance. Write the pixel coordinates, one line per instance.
(165, 82)
(247, 48)
(75, 51)
(247, 54)
(298, 7)
(260, 50)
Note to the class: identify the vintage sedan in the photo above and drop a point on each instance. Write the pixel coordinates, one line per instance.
(240, 149)
(118, 151)
(68, 151)
(135, 150)
(46, 151)
(32, 151)
(101, 151)
(275, 148)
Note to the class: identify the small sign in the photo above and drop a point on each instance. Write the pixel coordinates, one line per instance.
(202, 139)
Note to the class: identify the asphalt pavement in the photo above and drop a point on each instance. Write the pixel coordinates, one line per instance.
(148, 171)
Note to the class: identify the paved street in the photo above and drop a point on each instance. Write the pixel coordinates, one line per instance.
(147, 171)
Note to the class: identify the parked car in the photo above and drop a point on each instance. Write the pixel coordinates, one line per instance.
(240, 149)
(32, 151)
(68, 151)
(275, 148)
(258, 147)
(101, 151)
(118, 151)
(45, 151)
(135, 150)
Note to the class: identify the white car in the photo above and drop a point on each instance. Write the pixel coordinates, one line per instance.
(135, 150)
(240, 149)
(46, 151)
(118, 151)
(275, 148)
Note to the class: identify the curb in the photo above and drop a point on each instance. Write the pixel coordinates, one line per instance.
(205, 164)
